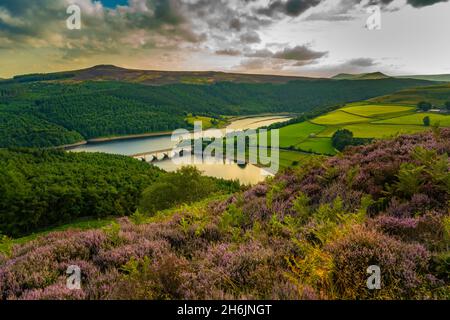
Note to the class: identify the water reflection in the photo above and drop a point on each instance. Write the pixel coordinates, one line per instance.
(245, 173)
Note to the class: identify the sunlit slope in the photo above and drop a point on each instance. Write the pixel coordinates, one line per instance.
(437, 95)
(338, 117)
(365, 119)
(417, 119)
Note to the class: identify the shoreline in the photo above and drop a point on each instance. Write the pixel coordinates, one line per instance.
(129, 137)
(73, 145)
(157, 134)
(274, 115)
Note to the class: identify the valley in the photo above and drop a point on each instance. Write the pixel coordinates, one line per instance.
(48, 110)
(364, 119)
(224, 159)
(291, 229)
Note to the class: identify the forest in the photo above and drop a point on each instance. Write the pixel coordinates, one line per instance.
(309, 233)
(37, 113)
(43, 188)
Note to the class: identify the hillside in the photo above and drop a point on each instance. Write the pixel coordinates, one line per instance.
(309, 233)
(366, 120)
(361, 76)
(153, 77)
(438, 95)
(44, 188)
(41, 188)
(38, 113)
(431, 77)
(380, 75)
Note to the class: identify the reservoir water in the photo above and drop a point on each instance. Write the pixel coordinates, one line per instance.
(248, 174)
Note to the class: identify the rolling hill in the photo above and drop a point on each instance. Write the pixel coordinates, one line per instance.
(380, 75)
(158, 77)
(43, 110)
(153, 77)
(366, 120)
(308, 233)
(361, 76)
(437, 95)
(431, 77)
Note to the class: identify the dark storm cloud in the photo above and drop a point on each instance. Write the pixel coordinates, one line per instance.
(143, 24)
(291, 8)
(161, 24)
(352, 66)
(413, 3)
(361, 62)
(228, 52)
(197, 18)
(250, 37)
(294, 8)
(299, 53)
(263, 53)
(168, 11)
(424, 3)
(235, 24)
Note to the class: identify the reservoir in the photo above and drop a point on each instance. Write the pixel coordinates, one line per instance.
(248, 174)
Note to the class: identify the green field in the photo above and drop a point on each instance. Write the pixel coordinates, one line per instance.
(338, 117)
(369, 130)
(417, 119)
(296, 133)
(364, 119)
(317, 145)
(292, 158)
(372, 110)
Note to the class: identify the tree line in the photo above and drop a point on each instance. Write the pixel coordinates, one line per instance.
(42, 114)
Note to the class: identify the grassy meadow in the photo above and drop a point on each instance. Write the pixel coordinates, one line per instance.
(364, 119)
(207, 122)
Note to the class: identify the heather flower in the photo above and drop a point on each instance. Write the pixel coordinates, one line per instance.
(427, 229)
(57, 291)
(3, 258)
(191, 255)
(256, 209)
(36, 269)
(403, 265)
(117, 257)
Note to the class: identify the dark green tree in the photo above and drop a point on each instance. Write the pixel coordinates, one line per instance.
(424, 106)
(187, 185)
(42, 188)
(342, 138)
(447, 105)
(426, 121)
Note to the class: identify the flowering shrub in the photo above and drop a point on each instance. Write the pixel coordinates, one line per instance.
(308, 233)
(57, 291)
(404, 266)
(427, 229)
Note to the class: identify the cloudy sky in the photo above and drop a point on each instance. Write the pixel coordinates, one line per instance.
(295, 37)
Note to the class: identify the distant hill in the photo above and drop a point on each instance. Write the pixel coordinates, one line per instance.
(41, 110)
(361, 76)
(380, 75)
(437, 95)
(430, 77)
(153, 77)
